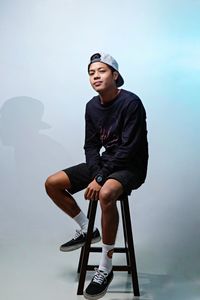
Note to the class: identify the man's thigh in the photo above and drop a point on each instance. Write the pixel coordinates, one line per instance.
(79, 177)
(128, 179)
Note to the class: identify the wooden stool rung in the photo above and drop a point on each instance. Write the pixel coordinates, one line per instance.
(115, 267)
(116, 249)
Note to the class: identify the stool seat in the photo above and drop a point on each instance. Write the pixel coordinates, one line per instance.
(128, 248)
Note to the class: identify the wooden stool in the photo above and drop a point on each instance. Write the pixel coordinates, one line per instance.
(83, 266)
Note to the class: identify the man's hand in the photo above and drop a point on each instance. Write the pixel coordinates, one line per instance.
(92, 191)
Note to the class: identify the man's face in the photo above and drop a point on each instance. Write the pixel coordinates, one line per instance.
(101, 77)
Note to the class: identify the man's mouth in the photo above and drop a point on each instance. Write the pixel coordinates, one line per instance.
(97, 83)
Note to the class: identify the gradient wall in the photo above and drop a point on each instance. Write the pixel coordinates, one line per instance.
(45, 47)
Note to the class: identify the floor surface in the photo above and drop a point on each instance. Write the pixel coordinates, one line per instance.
(39, 271)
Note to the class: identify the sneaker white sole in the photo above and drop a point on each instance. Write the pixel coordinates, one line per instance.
(77, 246)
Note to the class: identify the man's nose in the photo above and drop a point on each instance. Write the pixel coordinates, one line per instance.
(96, 76)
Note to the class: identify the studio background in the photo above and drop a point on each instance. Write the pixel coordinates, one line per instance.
(44, 53)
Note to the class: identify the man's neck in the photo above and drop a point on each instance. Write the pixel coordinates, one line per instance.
(109, 95)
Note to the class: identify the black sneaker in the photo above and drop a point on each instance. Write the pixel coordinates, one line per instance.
(79, 240)
(99, 285)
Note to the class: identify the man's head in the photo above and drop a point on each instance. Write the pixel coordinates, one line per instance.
(103, 72)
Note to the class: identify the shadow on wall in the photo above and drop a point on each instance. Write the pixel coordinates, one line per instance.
(27, 158)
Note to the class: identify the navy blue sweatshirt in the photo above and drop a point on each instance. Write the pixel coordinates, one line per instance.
(120, 128)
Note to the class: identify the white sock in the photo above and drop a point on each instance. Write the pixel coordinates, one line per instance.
(106, 258)
(82, 221)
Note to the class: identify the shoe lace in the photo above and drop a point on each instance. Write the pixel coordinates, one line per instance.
(99, 276)
(78, 233)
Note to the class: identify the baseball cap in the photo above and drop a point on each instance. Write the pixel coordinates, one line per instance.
(108, 60)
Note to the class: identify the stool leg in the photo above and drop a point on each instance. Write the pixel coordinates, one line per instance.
(125, 234)
(86, 248)
(131, 247)
(81, 254)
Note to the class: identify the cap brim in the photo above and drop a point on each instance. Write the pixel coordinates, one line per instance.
(120, 80)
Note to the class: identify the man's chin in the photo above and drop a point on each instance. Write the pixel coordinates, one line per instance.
(98, 89)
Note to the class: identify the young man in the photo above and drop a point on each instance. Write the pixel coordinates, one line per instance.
(116, 120)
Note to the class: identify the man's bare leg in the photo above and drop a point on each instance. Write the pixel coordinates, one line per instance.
(56, 187)
(108, 196)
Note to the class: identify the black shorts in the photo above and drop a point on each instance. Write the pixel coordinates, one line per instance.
(80, 177)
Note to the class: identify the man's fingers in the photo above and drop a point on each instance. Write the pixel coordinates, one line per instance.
(85, 194)
(91, 194)
(88, 194)
(96, 196)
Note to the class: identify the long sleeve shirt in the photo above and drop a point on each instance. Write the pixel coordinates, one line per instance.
(118, 127)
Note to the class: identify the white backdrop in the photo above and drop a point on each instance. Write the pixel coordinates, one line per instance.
(44, 52)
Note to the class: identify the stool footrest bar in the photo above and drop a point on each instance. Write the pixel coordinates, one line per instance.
(116, 249)
(115, 268)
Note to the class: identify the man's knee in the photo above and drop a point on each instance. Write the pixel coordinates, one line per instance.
(57, 181)
(106, 199)
(106, 194)
(110, 191)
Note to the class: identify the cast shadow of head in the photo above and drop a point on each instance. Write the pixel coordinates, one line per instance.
(35, 156)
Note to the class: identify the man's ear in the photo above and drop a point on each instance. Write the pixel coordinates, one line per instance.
(115, 75)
